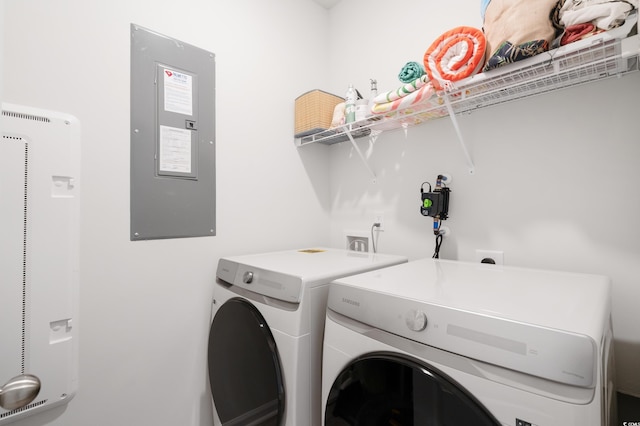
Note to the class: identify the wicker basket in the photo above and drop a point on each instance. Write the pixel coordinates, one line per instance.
(314, 112)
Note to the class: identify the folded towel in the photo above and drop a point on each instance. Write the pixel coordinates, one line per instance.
(455, 55)
(410, 72)
(421, 95)
(578, 32)
(403, 91)
(519, 23)
(605, 14)
(507, 53)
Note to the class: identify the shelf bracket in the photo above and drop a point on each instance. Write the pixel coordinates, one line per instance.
(454, 121)
(362, 157)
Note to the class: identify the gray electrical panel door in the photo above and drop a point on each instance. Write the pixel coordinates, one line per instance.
(172, 138)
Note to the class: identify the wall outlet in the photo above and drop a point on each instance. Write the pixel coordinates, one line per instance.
(495, 257)
(357, 243)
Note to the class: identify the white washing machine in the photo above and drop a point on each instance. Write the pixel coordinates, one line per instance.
(436, 342)
(265, 342)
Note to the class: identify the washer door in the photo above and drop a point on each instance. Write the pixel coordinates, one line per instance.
(390, 389)
(244, 367)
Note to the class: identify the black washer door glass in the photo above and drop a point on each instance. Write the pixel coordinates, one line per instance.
(388, 389)
(244, 367)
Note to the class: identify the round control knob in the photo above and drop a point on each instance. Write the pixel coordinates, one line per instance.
(416, 320)
(247, 277)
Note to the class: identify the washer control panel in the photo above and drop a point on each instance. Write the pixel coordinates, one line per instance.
(549, 353)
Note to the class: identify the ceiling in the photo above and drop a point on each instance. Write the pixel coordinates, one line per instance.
(327, 4)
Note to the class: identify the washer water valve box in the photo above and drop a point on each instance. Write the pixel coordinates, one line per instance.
(314, 112)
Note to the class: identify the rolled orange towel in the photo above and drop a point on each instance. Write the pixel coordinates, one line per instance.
(457, 54)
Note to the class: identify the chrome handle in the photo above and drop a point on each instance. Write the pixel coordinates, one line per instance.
(19, 391)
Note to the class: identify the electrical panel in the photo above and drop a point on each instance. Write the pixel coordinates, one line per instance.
(173, 193)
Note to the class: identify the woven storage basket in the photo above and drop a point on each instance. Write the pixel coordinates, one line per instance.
(314, 112)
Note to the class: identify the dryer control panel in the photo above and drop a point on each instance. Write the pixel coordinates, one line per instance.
(261, 281)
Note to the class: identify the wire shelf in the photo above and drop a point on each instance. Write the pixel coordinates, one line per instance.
(551, 72)
(603, 56)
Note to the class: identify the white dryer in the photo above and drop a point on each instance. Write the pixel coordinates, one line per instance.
(265, 342)
(436, 342)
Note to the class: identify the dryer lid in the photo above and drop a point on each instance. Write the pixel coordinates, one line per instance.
(284, 274)
(502, 317)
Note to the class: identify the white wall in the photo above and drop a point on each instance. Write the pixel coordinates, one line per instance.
(537, 194)
(1, 51)
(145, 306)
(556, 176)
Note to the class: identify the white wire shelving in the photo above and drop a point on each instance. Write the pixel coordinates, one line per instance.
(606, 55)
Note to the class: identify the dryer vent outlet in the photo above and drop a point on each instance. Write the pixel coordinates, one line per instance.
(357, 243)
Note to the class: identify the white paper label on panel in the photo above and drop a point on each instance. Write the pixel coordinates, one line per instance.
(175, 150)
(178, 92)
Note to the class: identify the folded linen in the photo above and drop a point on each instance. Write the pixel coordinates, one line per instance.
(605, 14)
(416, 115)
(402, 91)
(518, 22)
(578, 32)
(507, 53)
(417, 97)
(456, 54)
